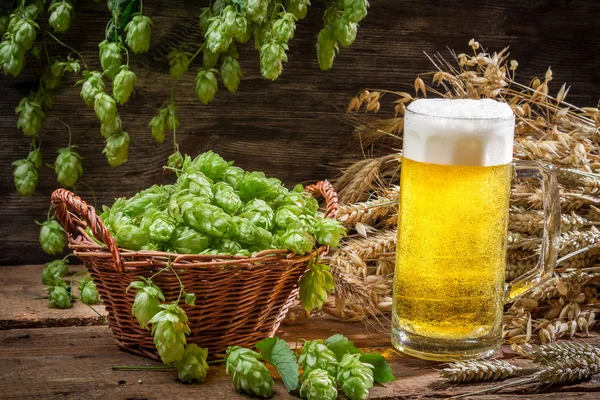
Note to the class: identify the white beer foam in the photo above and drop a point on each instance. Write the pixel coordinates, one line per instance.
(459, 132)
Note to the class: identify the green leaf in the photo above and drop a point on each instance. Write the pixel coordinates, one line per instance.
(340, 346)
(276, 352)
(382, 372)
(190, 299)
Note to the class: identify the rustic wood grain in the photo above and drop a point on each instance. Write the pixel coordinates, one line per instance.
(290, 128)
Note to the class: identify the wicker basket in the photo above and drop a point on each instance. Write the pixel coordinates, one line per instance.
(239, 300)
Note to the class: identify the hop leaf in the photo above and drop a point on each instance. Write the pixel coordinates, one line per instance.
(67, 166)
(327, 48)
(192, 367)
(54, 270)
(355, 377)
(169, 327)
(328, 231)
(35, 157)
(91, 86)
(123, 85)
(139, 30)
(217, 39)
(89, 291)
(31, 116)
(116, 148)
(355, 10)
(284, 27)
(318, 385)
(158, 125)
(110, 58)
(248, 373)
(178, 63)
(298, 8)
(147, 301)
(272, 56)
(52, 237)
(206, 85)
(276, 352)
(316, 356)
(175, 160)
(61, 14)
(58, 295)
(344, 31)
(25, 177)
(24, 33)
(315, 285)
(231, 73)
(105, 107)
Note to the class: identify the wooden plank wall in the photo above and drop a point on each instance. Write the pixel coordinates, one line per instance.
(290, 128)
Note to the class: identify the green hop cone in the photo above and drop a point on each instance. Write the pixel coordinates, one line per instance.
(158, 225)
(35, 157)
(169, 327)
(248, 373)
(235, 23)
(259, 213)
(209, 219)
(127, 235)
(105, 107)
(296, 240)
(61, 15)
(123, 85)
(272, 57)
(158, 125)
(210, 164)
(328, 231)
(226, 198)
(317, 356)
(298, 8)
(231, 73)
(147, 301)
(318, 385)
(243, 231)
(31, 116)
(54, 270)
(284, 27)
(257, 10)
(116, 148)
(52, 237)
(175, 160)
(355, 10)
(178, 63)
(91, 86)
(139, 30)
(59, 296)
(89, 291)
(204, 19)
(12, 57)
(53, 73)
(344, 31)
(287, 215)
(233, 176)
(172, 118)
(25, 177)
(110, 58)
(114, 127)
(209, 59)
(206, 85)
(67, 166)
(217, 39)
(315, 285)
(355, 377)
(192, 367)
(24, 33)
(327, 48)
(189, 241)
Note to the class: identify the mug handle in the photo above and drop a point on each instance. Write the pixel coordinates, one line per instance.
(544, 270)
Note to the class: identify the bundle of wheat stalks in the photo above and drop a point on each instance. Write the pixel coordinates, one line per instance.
(547, 129)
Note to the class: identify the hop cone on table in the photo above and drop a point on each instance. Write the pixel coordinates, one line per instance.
(480, 370)
(25, 177)
(110, 58)
(67, 166)
(169, 327)
(139, 30)
(318, 385)
(116, 148)
(31, 116)
(192, 367)
(61, 15)
(317, 356)
(248, 373)
(52, 237)
(88, 290)
(59, 296)
(54, 270)
(206, 85)
(91, 86)
(123, 85)
(147, 301)
(355, 377)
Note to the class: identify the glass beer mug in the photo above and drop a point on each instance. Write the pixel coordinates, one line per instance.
(457, 168)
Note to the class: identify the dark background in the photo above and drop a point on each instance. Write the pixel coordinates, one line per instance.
(291, 128)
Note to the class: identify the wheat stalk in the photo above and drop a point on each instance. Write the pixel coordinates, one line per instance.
(366, 212)
(557, 351)
(374, 246)
(480, 370)
(570, 370)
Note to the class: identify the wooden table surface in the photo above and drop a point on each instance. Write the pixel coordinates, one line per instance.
(68, 354)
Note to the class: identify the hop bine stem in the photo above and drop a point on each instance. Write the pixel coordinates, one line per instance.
(64, 45)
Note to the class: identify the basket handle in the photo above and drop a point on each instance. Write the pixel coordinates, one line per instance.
(70, 209)
(325, 189)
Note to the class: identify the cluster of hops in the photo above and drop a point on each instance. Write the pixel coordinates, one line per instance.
(61, 15)
(340, 25)
(60, 293)
(217, 208)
